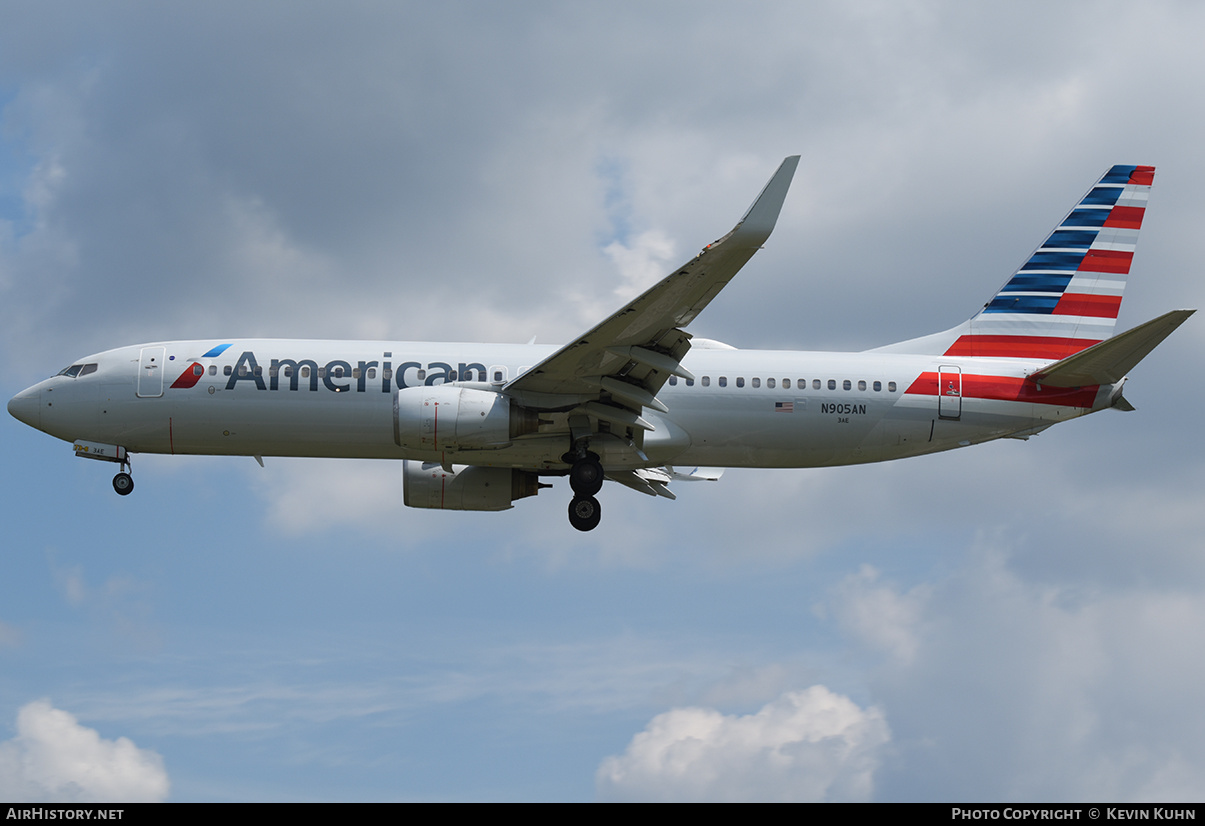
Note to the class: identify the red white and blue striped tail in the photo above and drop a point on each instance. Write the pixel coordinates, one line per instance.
(1066, 296)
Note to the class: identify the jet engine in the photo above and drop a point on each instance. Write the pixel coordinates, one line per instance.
(465, 488)
(447, 417)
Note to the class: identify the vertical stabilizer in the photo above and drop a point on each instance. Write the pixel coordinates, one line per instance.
(1067, 294)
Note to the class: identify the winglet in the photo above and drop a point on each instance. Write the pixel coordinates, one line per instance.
(759, 221)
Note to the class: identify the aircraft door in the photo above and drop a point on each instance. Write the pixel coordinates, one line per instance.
(949, 392)
(150, 372)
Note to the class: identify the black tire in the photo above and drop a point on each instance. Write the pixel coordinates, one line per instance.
(123, 483)
(586, 477)
(584, 513)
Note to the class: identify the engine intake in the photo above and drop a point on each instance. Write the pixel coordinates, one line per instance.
(447, 417)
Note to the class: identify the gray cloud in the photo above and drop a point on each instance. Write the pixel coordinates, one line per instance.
(1024, 690)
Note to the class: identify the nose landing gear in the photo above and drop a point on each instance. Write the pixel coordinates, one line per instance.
(123, 483)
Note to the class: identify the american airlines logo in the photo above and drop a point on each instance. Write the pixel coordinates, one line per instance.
(338, 375)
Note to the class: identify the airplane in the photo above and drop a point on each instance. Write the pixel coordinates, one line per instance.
(636, 400)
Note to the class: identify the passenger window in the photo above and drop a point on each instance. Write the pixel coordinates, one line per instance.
(673, 381)
(757, 382)
(355, 372)
(197, 370)
(740, 381)
(372, 372)
(845, 385)
(213, 369)
(815, 384)
(497, 375)
(723, 381)
(861, 385)
(706, 381)
(786, 384)
(890, 387)
(770, 383)
(227, 370)
(242, 370)
(690, 382)
(259, 371)
(878, 386)
(832, 384)
(321, 372)
(288, 371)
(305, 372)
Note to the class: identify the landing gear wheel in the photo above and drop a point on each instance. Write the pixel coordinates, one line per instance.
(584, 513)
(586, 477)
(123, 483)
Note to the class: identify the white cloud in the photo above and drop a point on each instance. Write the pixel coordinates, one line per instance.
(55, 759)
(642, 264)
(811, 745)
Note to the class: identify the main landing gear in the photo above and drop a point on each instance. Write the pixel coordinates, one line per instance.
(584, 513)
(586, 478)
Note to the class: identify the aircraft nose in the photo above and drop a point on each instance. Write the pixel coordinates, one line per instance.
(25, 407)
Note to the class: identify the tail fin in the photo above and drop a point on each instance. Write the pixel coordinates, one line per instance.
(1066, 296)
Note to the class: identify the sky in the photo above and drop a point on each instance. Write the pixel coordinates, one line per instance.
(1017, 621)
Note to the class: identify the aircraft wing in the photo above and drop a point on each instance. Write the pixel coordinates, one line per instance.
(624, 361)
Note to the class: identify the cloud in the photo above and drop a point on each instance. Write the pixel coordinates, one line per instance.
(806, 746)
(642, 264)
(55, 759)
(1017, 689)
(878, 615)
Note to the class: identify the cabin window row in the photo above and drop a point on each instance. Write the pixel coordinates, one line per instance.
(800, 384)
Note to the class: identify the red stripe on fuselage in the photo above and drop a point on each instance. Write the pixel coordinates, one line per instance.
(1009, 389)
(1096, 306)
(1019, 347)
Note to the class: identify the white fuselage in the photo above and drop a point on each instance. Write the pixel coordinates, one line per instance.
(745, 408)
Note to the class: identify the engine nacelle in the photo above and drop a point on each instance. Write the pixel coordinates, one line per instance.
(447, 417)
(465, 488)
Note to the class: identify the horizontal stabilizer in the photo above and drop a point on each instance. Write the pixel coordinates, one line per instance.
(1108, 361)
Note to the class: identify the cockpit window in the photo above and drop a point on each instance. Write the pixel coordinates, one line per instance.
(77, 370)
